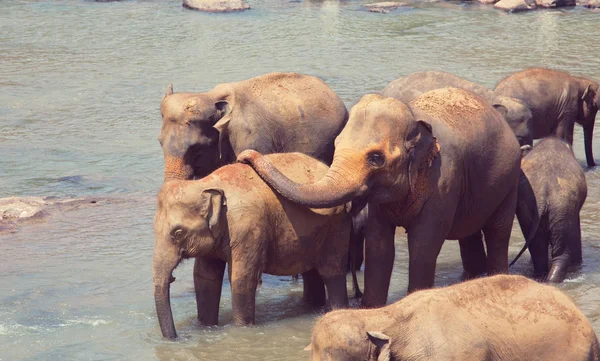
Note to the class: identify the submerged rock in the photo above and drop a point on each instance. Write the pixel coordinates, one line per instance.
(384, 7)
(515, 5)
(216, 6)
(554, 3)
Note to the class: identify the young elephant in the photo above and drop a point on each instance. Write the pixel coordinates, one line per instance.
(557, 101)
(232, 216)
(487, 319)
(552, 190)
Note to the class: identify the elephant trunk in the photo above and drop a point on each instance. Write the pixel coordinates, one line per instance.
(162, 278)
(340, 185)
(588, 134)
(175, 168)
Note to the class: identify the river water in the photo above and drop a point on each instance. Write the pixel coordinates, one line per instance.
(81, 83)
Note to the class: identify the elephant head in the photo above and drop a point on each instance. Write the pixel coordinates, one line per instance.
(193, 131)
(338, 337)
(590, 102)
(518, 116)
(187, 223)
(378, 156)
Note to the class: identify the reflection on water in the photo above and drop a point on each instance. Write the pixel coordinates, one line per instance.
(82, 83)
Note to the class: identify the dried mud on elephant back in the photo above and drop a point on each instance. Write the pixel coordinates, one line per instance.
(14, 211)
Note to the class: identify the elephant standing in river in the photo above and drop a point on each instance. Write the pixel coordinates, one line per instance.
(496, 318)
(557, 101)
(233, 217)
(515, 112)
(552, 191)
(272, 113)
(427, 167)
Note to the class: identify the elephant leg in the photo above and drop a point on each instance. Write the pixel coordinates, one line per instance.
(337, 291)
(244, 281)
(497, 234)
(208, 282)
(425, 240)
(538, 249)
(565, 129)
(314, 288)
(564, 239)
(473, 255)
(379, 259)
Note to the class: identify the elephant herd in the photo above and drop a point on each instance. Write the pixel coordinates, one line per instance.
(273, 175)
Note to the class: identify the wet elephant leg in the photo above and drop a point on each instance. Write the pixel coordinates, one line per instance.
(538, 249)
(379, 259)
(337, 291)
(564, 239)
(314, 288)
(497, 234)
(473, 256)
(425, 241)
(565, 129)
(208, 282)
(244, 281)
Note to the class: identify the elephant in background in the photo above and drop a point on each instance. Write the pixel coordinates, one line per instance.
(272, 113)
(557, 101)
(427, 167)
(552, 190)
(515, 112)
(487, 319)
(233, 217)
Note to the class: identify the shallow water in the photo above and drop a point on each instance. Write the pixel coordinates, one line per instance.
(81, 87)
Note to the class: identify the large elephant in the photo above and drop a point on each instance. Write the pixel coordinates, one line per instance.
(488, 319)
(272, 113)
(428, 167)
(557, 101)
(552, 190)
(233, 217)
(516, 113)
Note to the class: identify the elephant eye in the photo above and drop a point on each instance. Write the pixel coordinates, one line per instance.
(376, 159)
(177, 235)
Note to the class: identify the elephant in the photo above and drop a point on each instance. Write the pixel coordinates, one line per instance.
(557, 101)
(428, 167)
(232, 217)
(515, 112)
(503, 317)
(552, 190)
(273, 113)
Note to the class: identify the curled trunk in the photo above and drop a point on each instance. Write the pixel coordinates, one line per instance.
(340, 185)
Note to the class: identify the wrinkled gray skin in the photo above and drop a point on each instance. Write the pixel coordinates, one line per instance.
(272, 113)
(552, 190)
(497, 318)
(515, 112)
(232, 217)
(557, 101)
(427, 167)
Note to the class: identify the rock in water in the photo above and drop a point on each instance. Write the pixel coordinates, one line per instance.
(384, 7)
(515, 5)
(216, 6)
(554, 3)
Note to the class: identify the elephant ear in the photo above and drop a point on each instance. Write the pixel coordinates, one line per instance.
(169, 91)
(422, 147)
(381, 342)
(212, 207)
(223, 116)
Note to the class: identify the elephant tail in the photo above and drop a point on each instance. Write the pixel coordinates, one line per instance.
(527, 214)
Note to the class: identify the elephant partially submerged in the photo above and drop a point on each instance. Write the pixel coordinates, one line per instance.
(428, 167)
(552, 191)
(557, 101)
(488, 319)
(272, 113)
(515, 112)
(233, 217)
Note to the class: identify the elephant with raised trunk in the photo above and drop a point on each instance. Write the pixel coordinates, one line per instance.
(428, 167)
(272, 113)
(557, 101)
(496, 318)
(515, 112)
(552, 191)
(232, 217)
